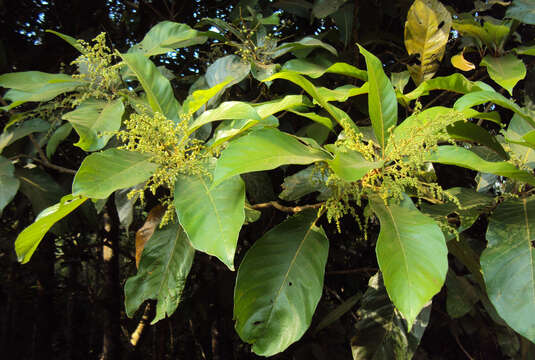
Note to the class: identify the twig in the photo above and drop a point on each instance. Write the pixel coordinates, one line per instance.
(351, 271)
(44, 161)
(454, 333)
(290, 209)
(136, 335)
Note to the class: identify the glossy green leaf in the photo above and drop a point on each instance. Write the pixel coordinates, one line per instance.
(164, 266)
(459, 156)
(69, 39)
(412, 255)
(482, 97)
(158, 89)
(29, 238)
(228, 67)
(167, 36)
(508, 264)
(229, 110)
(467, 131)
(35, 86)
(506, 70)
(279, 284)
(212, 216)
(325, 121)
(523, 11)
(455, 83)
(198, 98)
(264, 149)
(104, 172)
(525, 50)
(339, 115)
(94, 121)
(351, 165)
(57, 137)
(16, 132)
(306, 44)
(230, 129)
(492, 33)
(400, 80)
(514, 135)
(315, 70)
(304, 182)
(268, 108)
(342, 93)
(9, 184)
(382, 332)
(427, 30)
(382, 103)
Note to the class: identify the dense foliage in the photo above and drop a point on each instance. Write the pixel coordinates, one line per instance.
(423, 156)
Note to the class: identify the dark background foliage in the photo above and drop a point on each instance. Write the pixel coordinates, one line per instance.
(67, 304)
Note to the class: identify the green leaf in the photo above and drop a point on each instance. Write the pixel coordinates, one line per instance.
(72, 41)
(525, 50)
(426, 34)
(9, 184)
(158, 89)
(228, 67)
(481, 97)
(167, 36)
(94, 121)
(264, 149)
(523, 11)
(39, 187)
(455, 83)
(212, 216)
(200, 97)
(279, 284)
(324, 8)
(315, 70)
(381, 332)
(412, 255)
(307, 44)
(382, 103)
(14, 133)
(508, 264)
(230, 129)
(229, 110)
(400, 80)
(325, 121)
(60, 134)
(459, 156)
(340, 116)
(461, 295)
(304, 182)
(104, 172)
(164, 266)
(35, 86)
(268, 108)
(492, 34)
(338, 312)
(343, 19)
(467, 131)
(351, 165)
(514, 135)
(506, 70)
(342, 93)
(29, 238)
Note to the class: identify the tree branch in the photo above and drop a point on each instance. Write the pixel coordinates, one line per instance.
(289, 209)
(43, 160)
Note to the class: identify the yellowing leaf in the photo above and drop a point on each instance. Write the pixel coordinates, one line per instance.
(426, 33)
(461, 63)
(145, 232)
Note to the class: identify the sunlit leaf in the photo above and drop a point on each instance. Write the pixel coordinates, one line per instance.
(461, 63)
(506, 70)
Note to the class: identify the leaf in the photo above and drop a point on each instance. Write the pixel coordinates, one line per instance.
(163, 269)
(9, 184)
(39, 187)
(382, 103)
(14, 133)
(412, 255)
(104, 172)
(506, 70)
(211, 214)
(125, 204)
(264, 149)
(60, 134)
(426, 33)
(467, 131)
(514, 135)
(262, 71)
(230, 67)
(459, 156)
(525, 50)
(300, 8)
(492, 33)
(145, 232)
(35, 86)
(158, 89)
(343, 19)
(338, 312)
(316, 70)
(342, 93)
(324, 8)
(324, 121)
(279, 284)
(94, 121)
(381, 332)
(461, 295)
(481, 97)
(351, 165)
(167, 36)
(72, 41)
(228, 110)
(400, 80)
(268, 108)
(198, 98)
(523, 11)
(30, 237)
(306, 45)
(455, 83)
(508, 266)
(304, 182)
(461, 63)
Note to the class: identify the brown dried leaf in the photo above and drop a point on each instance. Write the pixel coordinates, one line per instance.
(145, 232)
